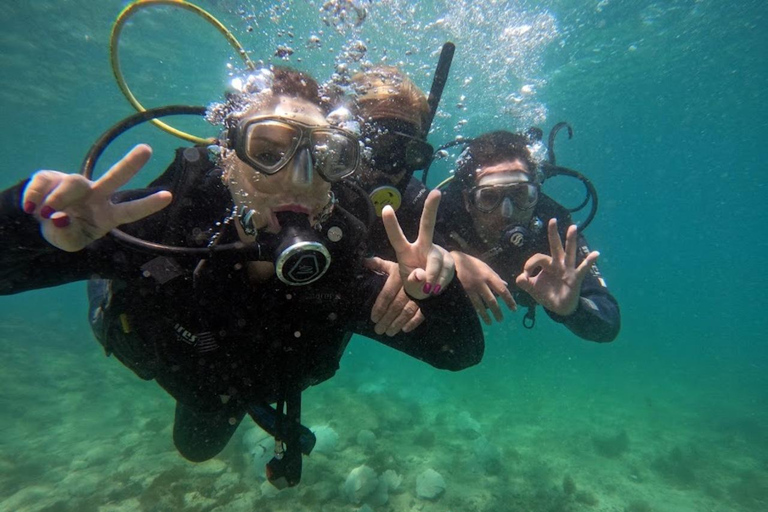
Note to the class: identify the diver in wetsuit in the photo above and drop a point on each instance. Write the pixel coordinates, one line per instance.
(503, 230)
(393, 116)
(224, 331)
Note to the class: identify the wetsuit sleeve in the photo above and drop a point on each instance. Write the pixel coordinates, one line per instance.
(597, 317)
(29, 262)
(450, 337)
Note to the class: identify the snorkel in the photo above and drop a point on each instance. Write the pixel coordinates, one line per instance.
(436, 92)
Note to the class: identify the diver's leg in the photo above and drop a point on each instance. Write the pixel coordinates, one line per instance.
(200, 435)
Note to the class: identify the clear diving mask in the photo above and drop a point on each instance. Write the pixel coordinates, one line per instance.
(267, 143)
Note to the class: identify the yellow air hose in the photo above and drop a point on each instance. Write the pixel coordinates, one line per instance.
(444, 183)
(115, 59)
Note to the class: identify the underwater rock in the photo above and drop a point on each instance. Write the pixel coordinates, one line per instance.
(261, 446)
(97, 455)
(392, 479)
(195, 500)
(424, 438)
(679, 466)
(245, 502)
(366, 439)
(430, 485)
(36, 495)
(611, 446)
(209, 468)
(487, 455)
(380, 496)
(388, 482)
(466, 424)
(268, 490)
(225, 483)
(361, 483)
(82, 484)
(327, 439)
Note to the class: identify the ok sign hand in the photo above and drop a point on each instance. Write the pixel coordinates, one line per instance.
(74, 211)
(425, 268)
(555, 281)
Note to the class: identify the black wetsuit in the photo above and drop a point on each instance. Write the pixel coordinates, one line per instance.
(212, 339)
(413, 195)
(597, 317)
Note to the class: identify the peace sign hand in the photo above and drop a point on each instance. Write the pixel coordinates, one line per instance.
(425, 268)
(74, 211)
(555, 281)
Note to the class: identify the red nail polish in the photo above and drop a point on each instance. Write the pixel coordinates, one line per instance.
(46, 212)
(61, 222)
(437, 289)
(29, 207)
(427, 288)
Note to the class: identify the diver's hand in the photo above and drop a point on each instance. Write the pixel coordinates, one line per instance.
(482, 285)
(74, 211)
(393, 311)
(555, 281)
(425, 268)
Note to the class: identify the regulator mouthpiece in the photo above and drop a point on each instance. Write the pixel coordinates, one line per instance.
(300, 257)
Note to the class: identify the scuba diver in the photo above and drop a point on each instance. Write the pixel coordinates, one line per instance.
(393, 115)
(248, 281)
(502, 229)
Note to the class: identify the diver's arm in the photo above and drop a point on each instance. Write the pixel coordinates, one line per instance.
(27, 261)
(597, 316)
(54, 226)
(450, 337)
(74, 211)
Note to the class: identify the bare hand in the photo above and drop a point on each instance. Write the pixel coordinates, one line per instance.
(393, 311)
(555, 281)
(425, 268)
(482, 285)
(74, 211)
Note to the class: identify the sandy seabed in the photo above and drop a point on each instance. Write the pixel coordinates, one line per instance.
(82, 433)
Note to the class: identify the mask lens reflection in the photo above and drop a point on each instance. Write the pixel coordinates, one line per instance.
(335, 154)
(395, 151)
(522, 195)
(486, 199)
(270, 144)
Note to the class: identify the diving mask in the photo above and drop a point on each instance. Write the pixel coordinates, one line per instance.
(394, 150)
(520, 196)
(267, 143)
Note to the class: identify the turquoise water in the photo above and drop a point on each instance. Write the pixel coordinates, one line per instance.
(667, 101)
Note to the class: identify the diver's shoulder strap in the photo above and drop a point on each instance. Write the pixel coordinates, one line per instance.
(547, 208)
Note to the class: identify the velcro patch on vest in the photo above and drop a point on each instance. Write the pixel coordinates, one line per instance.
(203, 341)
(161, 269)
